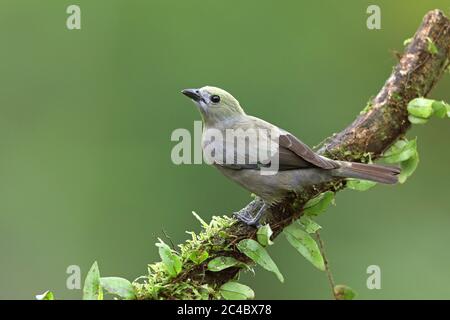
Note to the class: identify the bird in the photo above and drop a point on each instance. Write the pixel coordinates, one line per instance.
(296, 165)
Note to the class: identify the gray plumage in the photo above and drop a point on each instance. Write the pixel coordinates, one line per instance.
(298, 165)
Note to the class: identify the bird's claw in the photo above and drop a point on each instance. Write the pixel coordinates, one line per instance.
(248, 219)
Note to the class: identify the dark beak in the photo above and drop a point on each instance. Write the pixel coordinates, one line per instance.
(192, 93)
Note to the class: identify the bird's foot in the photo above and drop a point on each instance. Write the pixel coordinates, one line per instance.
(246, 217)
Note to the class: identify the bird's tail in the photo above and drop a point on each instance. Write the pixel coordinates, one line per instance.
(372, 172)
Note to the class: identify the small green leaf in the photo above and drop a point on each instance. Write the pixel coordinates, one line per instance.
(396, 148)
(258, 254)
(221, 263)
(420, 107)
(431, 46)
(233, 290)
(263, 235)
(171, 261)
(440, 109)
(343, 292)
(368, 106)
(401, 151)
(118, 286)
(309, 225)
(314, 201)
(417, 120)
(198, 257)
(47, 295)
(304, 244)
(202, 222)
(407, 41)
(408, 167)
(92, 289)
(319, 204)
(360, 185)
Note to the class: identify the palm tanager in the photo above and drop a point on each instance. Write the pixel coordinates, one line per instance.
(274, 164)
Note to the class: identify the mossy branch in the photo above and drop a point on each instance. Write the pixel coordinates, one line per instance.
(380, 124)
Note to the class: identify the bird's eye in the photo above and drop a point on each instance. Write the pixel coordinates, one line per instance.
(215, 99)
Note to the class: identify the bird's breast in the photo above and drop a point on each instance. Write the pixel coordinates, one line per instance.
(238, 146)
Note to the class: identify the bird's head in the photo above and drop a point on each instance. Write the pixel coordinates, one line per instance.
(214, 103)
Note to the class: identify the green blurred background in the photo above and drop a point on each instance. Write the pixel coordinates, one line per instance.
(86, 118)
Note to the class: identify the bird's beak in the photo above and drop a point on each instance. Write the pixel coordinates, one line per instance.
(192, 93)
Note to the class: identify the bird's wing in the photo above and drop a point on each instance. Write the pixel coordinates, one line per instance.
(289, 144)
(292, 153)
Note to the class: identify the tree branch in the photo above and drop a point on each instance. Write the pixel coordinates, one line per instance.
(373, 131)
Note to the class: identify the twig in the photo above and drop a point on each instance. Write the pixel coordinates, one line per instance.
(327, 265)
